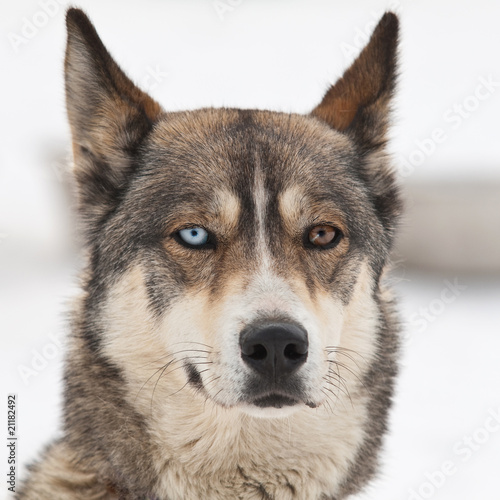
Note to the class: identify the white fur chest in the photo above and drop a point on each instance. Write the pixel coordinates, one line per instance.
(223, 454)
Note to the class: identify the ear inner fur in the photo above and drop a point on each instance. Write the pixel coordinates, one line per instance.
(81, 31)
(363, 92)
(109, 118)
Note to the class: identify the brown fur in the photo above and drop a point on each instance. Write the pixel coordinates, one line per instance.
(158, 402)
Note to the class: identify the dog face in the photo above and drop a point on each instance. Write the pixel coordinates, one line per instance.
(235, 255)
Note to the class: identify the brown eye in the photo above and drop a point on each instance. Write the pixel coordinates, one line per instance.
(324, 236)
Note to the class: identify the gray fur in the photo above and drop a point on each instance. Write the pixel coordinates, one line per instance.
(138, 170)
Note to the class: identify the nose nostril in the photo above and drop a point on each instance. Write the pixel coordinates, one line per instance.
(293, 352)
(275, 350)
(259, 353)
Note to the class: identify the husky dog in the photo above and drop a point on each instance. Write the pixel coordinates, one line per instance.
(234, 339)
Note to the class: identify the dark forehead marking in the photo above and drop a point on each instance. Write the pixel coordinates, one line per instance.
(242, 153)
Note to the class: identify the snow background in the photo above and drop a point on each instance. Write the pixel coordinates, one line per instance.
(282, 56)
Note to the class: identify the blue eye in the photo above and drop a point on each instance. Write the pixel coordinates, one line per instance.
(194, 236)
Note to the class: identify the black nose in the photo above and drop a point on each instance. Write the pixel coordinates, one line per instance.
(274, 350)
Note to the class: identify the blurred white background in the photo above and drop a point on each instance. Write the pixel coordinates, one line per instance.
(444, 441)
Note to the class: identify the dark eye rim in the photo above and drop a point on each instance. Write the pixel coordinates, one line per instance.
(210, 244)
(339, 235)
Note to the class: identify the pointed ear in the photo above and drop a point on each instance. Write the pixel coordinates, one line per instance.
(358, 104)
(109, 118)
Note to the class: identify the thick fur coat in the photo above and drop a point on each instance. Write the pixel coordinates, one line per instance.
(215, 238)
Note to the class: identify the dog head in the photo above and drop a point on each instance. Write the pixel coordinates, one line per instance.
(235, 255)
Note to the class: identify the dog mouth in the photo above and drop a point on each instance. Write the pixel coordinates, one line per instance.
(275, 400)
(279, 400)
(272, 399)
